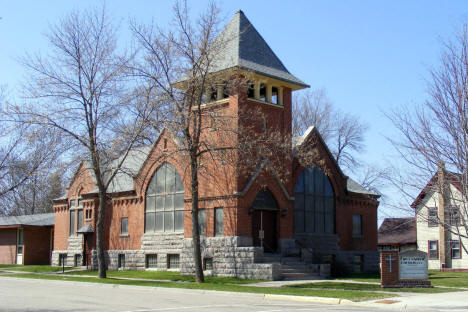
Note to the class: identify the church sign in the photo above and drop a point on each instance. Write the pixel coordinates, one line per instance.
(413, 265)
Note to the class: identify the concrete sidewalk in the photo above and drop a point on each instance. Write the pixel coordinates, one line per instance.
(294, 282)
(453, 301)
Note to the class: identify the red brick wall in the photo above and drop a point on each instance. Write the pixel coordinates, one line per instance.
(8, 246)
(37, 245)
(61, 227)
(388, 278)
(133, 209)
(360, 205)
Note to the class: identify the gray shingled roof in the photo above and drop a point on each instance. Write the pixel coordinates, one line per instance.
(355, 187)
(123, 181)
(44, 219)
(240, 45)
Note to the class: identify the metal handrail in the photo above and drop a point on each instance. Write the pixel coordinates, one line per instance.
(302, 245)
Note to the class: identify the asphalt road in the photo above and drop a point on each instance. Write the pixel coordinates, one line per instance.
(18, 294)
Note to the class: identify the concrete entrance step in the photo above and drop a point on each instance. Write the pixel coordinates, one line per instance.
(277, 258)
(296, 276)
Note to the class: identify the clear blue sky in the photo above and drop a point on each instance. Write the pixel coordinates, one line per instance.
(369, 55)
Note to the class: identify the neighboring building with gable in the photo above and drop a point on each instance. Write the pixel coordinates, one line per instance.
(398, 234)
(249, 224)
(439, 216)
(26, 239)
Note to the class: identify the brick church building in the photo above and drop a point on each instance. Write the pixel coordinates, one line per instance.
(250, 224)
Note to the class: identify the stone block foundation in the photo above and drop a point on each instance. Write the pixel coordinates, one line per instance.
(227, 256)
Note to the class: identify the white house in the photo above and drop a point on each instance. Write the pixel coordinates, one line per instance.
(441, 221)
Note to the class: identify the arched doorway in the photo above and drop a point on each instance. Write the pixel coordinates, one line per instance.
(264, 221)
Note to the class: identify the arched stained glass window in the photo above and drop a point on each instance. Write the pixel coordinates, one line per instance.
(164, 209)
(314, 207)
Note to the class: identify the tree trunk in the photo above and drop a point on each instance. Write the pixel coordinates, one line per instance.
(99, 226)
(199, 278)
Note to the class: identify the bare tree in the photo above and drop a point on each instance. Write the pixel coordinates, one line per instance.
(180, 63)
(436, 132)
(177, 62)
(343, 133)
(35, 194)
(24, 152)
(81, 90)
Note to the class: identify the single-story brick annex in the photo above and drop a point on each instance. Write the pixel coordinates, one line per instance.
(26, 239)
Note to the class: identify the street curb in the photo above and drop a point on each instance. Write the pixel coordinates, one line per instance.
(325, 300)
(314, 299)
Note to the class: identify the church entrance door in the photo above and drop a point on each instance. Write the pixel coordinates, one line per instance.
(264, 221)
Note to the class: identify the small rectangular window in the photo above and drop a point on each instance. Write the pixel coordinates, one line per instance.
(77, 260)
(262, 92)
(219, 222)
(72, 203)
(358, 263)
(173, 261)
(432, 219)
(72, 222)
(454, 217)
(357, 225)
(20, 237)
(212, 123)
(433, 249)
(79, 219)
(62, 259)
(208, 264)
(455, 251)
(121, 261)
(251, 91)
(124, 226)
(202, 222)
(264, 124)
(151, 261)
(80, 202)
(274, 95)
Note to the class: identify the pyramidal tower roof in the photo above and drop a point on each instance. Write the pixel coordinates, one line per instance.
(240, 45)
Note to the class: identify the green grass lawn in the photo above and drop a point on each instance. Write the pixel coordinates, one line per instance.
(343, 294)
(449, 279)
(362, 277)
(167, 276)
(368, 287)
(32, 268)
(437, 278)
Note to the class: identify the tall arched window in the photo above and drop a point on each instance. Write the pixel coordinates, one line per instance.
(164, 210)
(314, 207)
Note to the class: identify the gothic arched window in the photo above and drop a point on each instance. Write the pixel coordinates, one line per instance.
(314, 207)
(164, 209)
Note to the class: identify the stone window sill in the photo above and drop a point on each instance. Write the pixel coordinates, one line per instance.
(124, 235)
(265, 102)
